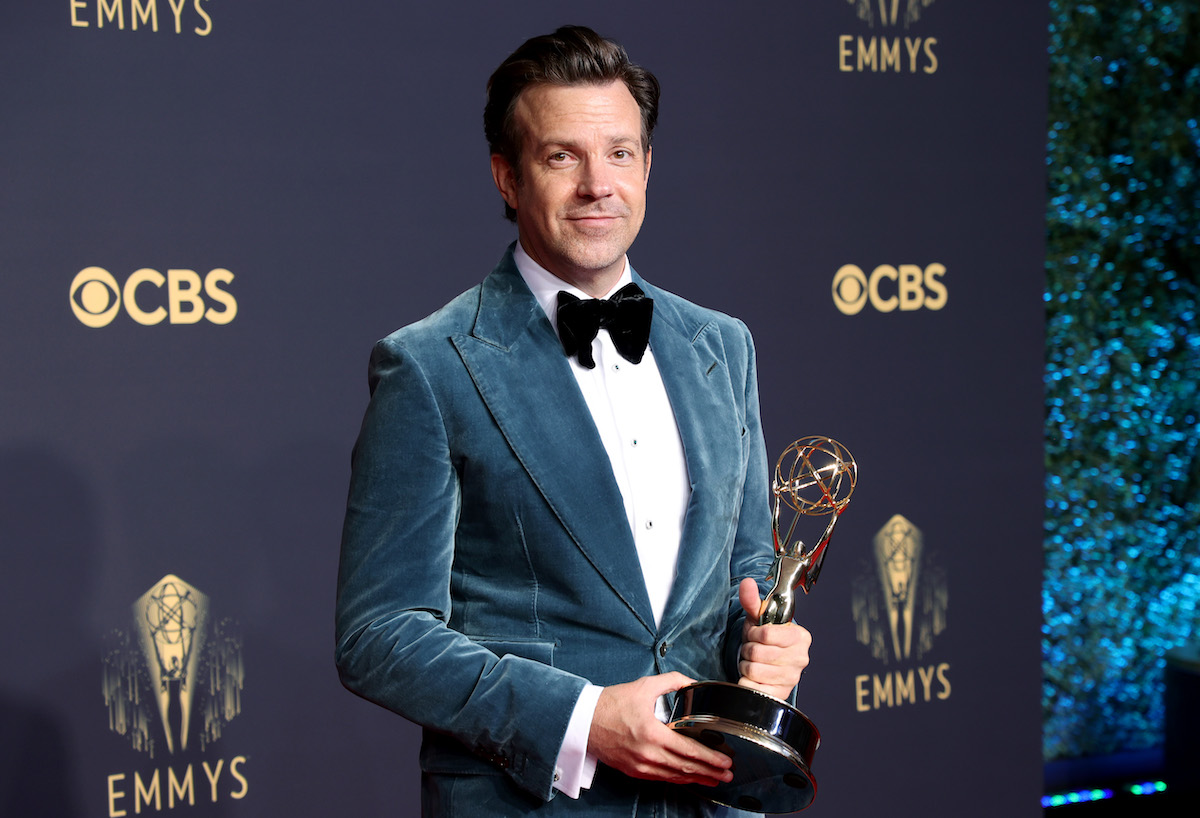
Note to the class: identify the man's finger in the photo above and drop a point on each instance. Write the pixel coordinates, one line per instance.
(751, 601)
(784, 636)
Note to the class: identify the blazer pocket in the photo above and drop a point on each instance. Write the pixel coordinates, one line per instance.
(539, 650)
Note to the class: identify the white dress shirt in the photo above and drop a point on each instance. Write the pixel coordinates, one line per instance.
(633, 415)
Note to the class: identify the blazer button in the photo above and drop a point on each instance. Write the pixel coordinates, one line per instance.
(662, 649)
(499, 759)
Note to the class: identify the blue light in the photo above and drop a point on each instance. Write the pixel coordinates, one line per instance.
(1148, 788)
(1101, 794)
(1077, 797)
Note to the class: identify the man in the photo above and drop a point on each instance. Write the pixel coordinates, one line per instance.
(538, 547)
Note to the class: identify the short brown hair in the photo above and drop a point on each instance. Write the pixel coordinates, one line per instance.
(572, 55)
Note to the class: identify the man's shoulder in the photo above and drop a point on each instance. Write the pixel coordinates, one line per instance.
(501, 291)
(455, 317)
(689, 314)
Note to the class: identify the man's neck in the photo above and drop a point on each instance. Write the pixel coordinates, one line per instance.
(598, 285)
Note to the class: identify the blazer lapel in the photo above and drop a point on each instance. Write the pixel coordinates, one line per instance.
(694, 371)
(517, 364)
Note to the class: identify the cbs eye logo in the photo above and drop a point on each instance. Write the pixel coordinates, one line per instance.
(97, 297)
(907, 287)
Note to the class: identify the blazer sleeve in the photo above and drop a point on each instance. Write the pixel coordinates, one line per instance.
(393, 645)
(752, 552)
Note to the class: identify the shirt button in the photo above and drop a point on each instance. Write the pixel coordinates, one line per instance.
(633, 443)
(649, 524)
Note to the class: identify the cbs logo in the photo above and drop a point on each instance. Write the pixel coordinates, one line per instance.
(907, 287)
(96, 297)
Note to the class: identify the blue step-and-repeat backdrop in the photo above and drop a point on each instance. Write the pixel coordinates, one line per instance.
(210, 210)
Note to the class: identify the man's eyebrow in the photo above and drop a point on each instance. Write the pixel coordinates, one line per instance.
(552, 142)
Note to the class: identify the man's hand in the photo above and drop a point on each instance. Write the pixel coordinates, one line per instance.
(772, 656)
(627, 736)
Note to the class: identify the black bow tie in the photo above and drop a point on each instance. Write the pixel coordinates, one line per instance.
(626, 315)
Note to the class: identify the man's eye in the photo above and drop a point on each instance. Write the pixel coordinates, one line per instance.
(559, 157)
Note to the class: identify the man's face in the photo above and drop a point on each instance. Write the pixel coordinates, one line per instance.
(581, 196)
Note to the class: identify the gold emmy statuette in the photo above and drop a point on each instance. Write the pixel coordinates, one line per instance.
(770, 741)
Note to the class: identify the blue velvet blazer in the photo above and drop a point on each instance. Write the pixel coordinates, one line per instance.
(487, 569)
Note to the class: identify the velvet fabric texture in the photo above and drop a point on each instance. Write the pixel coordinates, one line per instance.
(487, 568)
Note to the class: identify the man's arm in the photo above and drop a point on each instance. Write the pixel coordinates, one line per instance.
(769, 658)
(393, 643)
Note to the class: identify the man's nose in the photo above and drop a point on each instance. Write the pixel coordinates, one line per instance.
(595, 179)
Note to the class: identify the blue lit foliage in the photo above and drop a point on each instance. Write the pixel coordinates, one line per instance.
(1122, 529)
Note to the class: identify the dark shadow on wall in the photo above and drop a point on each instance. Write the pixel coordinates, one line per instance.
(34, 749)
(47, 553)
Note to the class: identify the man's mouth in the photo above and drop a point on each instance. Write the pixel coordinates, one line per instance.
(594, 218)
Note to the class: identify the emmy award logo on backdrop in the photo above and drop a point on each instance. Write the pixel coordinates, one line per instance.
(772, 743)
(178, 661)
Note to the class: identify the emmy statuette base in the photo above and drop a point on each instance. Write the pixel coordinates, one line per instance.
(771, 744)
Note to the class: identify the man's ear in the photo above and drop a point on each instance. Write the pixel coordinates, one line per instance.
(649, 156)
(505, 178)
